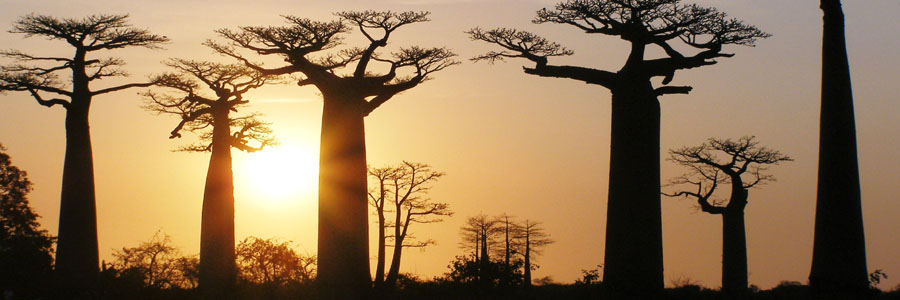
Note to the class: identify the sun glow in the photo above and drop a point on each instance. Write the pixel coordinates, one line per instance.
(282, 174)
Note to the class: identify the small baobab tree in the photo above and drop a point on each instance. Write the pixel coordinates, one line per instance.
(510, 229)
(839, 246)
(741, 164)
(210, 115)
(532, 238)
(404, 188)
(690, 36)
(77, 261)
(352, 88)
(481, 234)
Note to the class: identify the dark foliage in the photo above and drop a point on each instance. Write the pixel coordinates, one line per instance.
(26, 250)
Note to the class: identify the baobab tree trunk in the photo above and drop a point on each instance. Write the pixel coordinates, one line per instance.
(218, 273)
(484, 263)
(77, 259)
(343, 249)
(839, 250)
(379, 267)
(526, 280)
(394, 272)
(734, 253)
(634, 258)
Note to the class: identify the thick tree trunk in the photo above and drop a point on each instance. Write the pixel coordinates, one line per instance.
(343, 249)
(734, 253)
(77, 259)
(218, 273)
(839, 250)
(634, 257)
(379, 267)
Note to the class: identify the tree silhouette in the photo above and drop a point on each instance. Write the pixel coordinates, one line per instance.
(740, 164)
(532, 238)
(511, 230)
(348, 98)
(403, 187)
(209, 114)
(26, 251)
(273, 263)
(481, 233)
(378, 197)
(634, 228)
(159, 264)
(76, 256)
(839, 247)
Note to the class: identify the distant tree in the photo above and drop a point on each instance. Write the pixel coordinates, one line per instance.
(839, 247)
(77, 258)
(26, 250)
(532, 238)
(510, 229)
(158, 264)
(634, 227)
(378, 197)
(404, 187)
(343, 222)
(271, 261)
(210, 115)
(740, 163)
(273, 264)
(481, 232)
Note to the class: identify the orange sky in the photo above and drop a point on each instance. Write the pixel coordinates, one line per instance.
(511, 143)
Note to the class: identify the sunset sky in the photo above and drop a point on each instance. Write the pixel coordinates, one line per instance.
(535, 148)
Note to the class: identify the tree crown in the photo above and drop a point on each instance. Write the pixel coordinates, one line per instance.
(640, 22)
(719, 161)
(303, 44)
(37, 74)
(197, 108)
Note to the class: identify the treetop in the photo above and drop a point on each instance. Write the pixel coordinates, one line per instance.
(94, 32)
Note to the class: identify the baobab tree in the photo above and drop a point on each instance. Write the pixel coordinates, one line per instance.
(76, 253)
(740, 164)
(210, 115)
(378, 197)
(404, 187)
(480, 232)
(633, 259)
(839, 247)
(349, 96)
(532, 238)
(510, 229)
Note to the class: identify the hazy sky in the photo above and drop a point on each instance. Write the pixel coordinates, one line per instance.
(512, 143)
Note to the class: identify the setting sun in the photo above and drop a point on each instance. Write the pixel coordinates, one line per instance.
(281, 173)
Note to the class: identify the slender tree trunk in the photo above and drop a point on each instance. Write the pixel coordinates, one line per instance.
(394, 272)
(506, 259)
(734, 253)
(527, 276)
(839, 250)
(379, 267)
(77, 259)
(399, 235)
(634, 258)
(343, 250)
(485, 261)
(218, 272)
